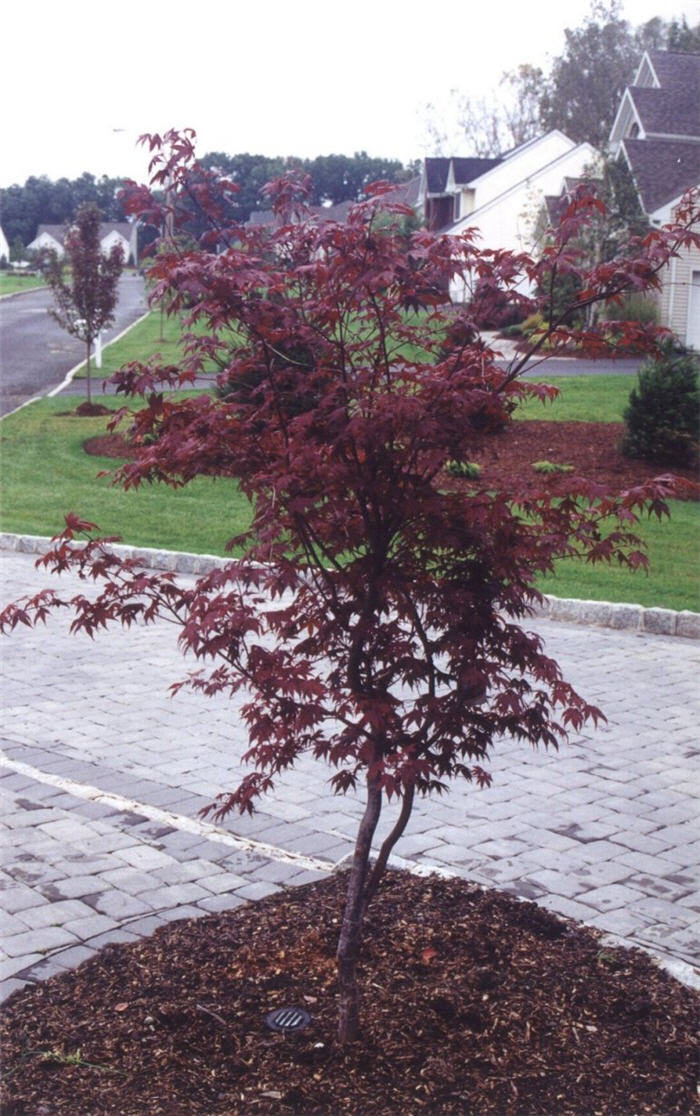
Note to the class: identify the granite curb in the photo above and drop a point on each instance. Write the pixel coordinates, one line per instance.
(602, 614)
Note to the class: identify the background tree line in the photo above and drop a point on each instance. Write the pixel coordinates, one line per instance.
(334, 178)
(580, 95)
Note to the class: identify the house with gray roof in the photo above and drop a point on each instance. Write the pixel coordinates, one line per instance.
(121, 233)
(499, 198)
(657, 133)
(404, 193)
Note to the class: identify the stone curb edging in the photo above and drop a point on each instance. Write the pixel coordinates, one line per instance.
(603, 614)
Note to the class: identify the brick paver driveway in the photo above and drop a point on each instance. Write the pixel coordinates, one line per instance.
(102, 776)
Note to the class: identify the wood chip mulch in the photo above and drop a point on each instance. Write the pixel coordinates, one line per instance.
(472, 1003)
(507, 458)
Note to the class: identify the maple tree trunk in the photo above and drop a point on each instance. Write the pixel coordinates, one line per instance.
(89, 392)
(350, 930)
(385, 851)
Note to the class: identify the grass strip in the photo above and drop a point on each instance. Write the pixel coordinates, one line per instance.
(45, 472)
(154, 334)
(14, 284)
(582, 399)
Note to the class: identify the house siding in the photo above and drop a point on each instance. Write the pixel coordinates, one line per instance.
(675, 293)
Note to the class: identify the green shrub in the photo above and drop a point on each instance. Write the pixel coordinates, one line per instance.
(535, 323)
(634, 308)
(468, 469)
(662, 415)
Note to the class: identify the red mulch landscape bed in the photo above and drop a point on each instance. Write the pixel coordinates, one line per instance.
(473, 1003)
(507, 458)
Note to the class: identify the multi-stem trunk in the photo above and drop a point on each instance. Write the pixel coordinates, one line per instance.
(351, 927)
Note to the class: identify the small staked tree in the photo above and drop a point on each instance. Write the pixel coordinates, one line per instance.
(375, 618)
(86, 299)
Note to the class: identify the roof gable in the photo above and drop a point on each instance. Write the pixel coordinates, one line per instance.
(671, 108)
(465, 171)
(662, 169)
(437, 169)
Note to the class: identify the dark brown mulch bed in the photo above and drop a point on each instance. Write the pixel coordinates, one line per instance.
(87, 410)
(473, 1003)
(507, 458)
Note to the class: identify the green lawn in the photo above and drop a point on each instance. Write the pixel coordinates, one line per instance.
(673, 545)
(39, 443)
(44, 473)
(672, 582)
(144, 339)
(10, 282)
(582, 399)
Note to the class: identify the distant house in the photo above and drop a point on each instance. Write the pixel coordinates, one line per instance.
(500, 197)
(405, 193)
(121, 233)
(4, 248)
(657, 133)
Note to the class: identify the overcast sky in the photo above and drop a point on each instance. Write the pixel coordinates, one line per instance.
(81, 80)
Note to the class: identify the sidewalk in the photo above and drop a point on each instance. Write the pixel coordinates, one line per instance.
(102, 775)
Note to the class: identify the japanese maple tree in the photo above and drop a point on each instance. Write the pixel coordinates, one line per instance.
(85, 301)
(376, 615)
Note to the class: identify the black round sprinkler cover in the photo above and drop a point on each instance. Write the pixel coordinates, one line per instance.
(288, 1019)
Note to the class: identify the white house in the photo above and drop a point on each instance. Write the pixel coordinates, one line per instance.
(657, 133)
(500, 197)
(121, 233)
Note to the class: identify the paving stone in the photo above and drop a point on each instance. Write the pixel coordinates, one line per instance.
(661, 911)
(642, 862)
(525, 889)
(610, 897)
(75, 955)
(216, 904)
(256, 890)
(9, 966)
(569, 908)
(496, 848)
(37, 941)
(77, 887)
(88, 927)
(144, 927)
(198, 870)
(605, 872)
(174, 895)
(112, 937)
(211, 850)
(223, 882)
(15, 899)
(130, 880)
(54, 914)
(119, 905)
(179, 914)
(42, 970)
(691, 900)
(143, 857)
(7, 987)
(556, 882)
(331, 849)
(619, 921)
(10, 924)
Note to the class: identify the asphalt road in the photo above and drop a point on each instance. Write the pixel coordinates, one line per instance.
(36, 354)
